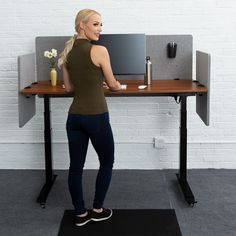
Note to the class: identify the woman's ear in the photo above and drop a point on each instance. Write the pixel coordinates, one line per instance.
(81, 25)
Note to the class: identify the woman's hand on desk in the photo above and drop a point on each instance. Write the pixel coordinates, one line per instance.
(121, 86)
(104, 85)
(113, 87)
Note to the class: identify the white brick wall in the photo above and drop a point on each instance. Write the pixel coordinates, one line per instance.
(135, 121)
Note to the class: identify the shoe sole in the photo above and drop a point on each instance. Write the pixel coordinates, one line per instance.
(84, 223)
(101, 219)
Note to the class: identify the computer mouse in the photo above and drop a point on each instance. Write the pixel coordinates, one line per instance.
(142, 86)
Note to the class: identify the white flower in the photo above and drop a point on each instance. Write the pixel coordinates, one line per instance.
(51, 55)
(46, 53)
(54, 52)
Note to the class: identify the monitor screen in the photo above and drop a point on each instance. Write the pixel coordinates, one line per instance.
(127, 52)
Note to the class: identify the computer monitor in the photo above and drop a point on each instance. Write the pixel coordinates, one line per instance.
(127, 52)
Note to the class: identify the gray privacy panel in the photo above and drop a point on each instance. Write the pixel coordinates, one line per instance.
(156, 47)
(46, 44)
(26, 76)
(203, 68)
(165, 68)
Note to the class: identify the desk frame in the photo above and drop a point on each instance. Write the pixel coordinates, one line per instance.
(49, 174)
(177, 93)
(181, 176)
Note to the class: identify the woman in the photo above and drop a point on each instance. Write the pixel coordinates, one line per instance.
(84, 65)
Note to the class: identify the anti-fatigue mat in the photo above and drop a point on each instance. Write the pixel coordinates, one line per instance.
(125, 222)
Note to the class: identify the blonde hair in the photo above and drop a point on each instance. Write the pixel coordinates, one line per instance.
(83, 16)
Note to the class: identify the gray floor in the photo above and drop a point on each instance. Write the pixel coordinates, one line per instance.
(214, 214)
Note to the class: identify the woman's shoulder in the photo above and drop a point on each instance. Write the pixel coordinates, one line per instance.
(99, 54)
(99, 49)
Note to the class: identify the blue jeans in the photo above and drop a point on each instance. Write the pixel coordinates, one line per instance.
(81, 128)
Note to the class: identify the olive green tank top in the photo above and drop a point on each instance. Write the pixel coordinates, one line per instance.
(87, 78)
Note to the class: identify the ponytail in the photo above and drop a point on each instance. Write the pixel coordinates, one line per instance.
(68, 46)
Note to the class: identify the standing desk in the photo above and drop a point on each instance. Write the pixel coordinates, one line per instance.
(178, 89)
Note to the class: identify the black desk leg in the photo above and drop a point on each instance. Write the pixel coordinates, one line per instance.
(182, 175)
(50, 177)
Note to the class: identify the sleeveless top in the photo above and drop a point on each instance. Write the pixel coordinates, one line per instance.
(87, 78)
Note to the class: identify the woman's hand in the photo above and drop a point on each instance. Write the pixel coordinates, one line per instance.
(118, 85)
(104, 85)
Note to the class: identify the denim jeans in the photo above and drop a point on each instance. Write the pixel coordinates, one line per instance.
(81, 128)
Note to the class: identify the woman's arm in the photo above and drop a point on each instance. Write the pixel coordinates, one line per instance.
(69, 87)
(100, 57)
